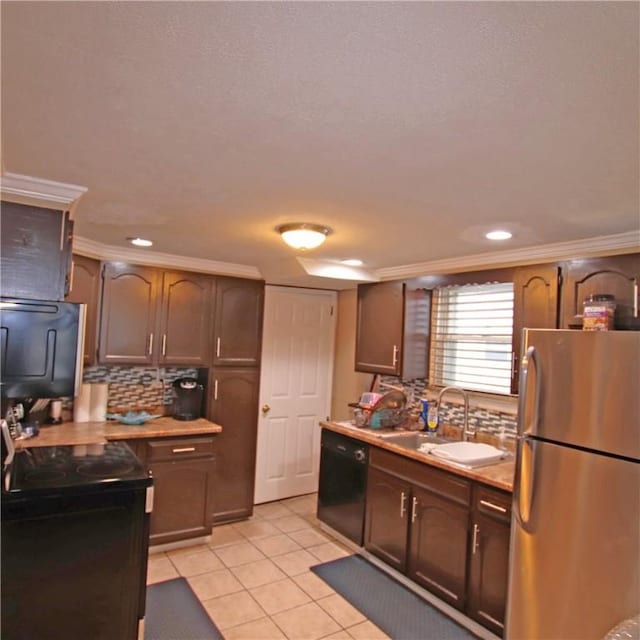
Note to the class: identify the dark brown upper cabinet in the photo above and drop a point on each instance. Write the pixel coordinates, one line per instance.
(128, 316)
(35, 252)
(535, 305)
(237, 338)
(615, 275)
(392, 331)
(85, 289)
(154, 317)
(185, 319)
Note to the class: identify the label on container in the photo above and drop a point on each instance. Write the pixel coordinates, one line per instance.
(597, 318)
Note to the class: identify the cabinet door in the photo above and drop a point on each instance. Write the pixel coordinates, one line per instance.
(488, 571)
(379, 330)
(387, 517)
(35, 250)
(616, 275)
(128, 314)
(535, 306)
(233, 404)
(185, 320)
(182, 499)
(238, 322)
(85, 288)
(438, 545)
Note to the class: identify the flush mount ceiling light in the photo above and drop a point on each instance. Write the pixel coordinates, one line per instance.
(352, 262)
(140, 242)
(498, 234)
(303, 235)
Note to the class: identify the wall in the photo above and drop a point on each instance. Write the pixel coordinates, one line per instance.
(348, 384)
(489, 414)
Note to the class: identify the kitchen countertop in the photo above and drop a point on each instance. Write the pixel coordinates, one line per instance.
(70, 433)
(497, 475)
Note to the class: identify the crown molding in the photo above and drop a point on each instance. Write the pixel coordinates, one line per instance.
(40, 192)
(627, 242)
(92, 249)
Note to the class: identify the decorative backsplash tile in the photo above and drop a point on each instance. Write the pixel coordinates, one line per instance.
(492, 422)
(137, 387)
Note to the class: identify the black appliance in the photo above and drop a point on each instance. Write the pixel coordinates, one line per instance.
(187, 399)
(75, 535)
(343, 484)
(41, 348)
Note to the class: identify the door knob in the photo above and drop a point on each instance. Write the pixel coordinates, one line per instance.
(265, 409)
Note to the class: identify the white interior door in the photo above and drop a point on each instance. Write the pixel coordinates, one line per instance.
(295, 389)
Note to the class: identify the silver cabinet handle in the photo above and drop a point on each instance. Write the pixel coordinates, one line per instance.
(218, 347)
(474, 544)
(395, 355)
(635, 298)
(183, 450)
(215, 389)
(414, 506)
(150, 347)
(403, 504)
(164, 344)
(495, 507)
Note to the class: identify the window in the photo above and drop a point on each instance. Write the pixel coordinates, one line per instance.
(471, 336)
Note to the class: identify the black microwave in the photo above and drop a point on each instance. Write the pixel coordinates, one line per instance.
(41, 348)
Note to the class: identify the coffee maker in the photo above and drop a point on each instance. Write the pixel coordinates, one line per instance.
(187, 399)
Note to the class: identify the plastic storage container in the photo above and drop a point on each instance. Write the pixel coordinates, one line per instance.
(598, 312)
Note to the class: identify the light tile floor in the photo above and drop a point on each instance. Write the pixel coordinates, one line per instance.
(253, 577)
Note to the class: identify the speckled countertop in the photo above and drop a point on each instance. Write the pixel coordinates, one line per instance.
(497, 475)
(69, 433)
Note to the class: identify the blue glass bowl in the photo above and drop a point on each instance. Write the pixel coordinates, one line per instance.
(133, 417)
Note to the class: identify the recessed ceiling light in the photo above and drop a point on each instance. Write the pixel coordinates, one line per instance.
(498, 234)
(140, 242)
(352, 262)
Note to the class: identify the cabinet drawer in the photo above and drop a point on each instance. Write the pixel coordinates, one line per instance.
(439, 482)
(179, 449)
(491, 502)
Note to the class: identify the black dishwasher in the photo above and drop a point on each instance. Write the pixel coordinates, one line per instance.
(343, 484)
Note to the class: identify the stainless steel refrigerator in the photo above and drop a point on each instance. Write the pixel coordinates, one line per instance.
(575, 538)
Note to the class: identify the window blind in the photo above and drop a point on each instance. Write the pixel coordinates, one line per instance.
(471, 337)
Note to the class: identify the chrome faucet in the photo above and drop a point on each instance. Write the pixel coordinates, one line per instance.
(465, 428)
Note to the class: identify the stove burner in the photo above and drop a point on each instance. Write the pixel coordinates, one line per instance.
(104, 469)
(44, 475)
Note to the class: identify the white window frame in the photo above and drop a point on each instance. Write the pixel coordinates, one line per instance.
(472, 337)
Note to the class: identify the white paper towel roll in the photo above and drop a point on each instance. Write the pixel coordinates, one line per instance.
(82, 404)
(99, 398)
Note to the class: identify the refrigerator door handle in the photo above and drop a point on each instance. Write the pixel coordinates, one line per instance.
(529, 359)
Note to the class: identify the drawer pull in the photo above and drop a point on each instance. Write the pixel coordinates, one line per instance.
(414, 506)
(215, 389)
(403, 504)
(495, 507)
(183, 450)
(218, 347)
(474, 544)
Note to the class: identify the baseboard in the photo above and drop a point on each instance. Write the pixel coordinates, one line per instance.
(446, 608)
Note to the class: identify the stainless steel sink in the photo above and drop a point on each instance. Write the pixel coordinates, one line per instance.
(414, 440)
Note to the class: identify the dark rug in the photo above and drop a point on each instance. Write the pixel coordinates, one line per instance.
(398, 611)
(175, 613)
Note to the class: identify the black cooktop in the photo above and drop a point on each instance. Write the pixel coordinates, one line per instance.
(73, 469)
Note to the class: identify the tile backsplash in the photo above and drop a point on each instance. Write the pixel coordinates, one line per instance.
(137, 386)
(487, 420)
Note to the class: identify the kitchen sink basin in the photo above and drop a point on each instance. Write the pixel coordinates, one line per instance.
(413, 440)
(455, 452)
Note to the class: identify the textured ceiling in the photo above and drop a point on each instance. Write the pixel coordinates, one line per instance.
(409, 128)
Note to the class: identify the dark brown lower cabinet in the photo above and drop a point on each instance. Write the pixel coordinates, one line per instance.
(438, 545)
(446, 533)
(489, 560)
(386, 519)
(183, 482)
(233, 403)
